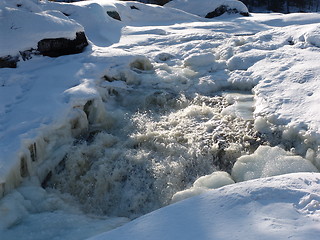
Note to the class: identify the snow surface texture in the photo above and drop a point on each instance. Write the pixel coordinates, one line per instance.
(142, 109)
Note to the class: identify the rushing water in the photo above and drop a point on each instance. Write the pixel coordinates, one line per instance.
(152, 149)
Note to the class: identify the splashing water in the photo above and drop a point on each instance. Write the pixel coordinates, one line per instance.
(151, 152)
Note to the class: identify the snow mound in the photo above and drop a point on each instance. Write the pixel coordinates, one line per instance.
(313, 36)
(204, 7)
(199, 60)
(257, 209)
(269, 161)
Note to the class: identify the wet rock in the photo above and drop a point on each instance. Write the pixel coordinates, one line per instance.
(55, 47)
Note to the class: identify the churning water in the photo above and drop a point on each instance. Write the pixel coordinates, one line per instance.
(150, 149)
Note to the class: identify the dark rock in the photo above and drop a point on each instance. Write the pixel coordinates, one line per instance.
(9, 61)
(246, 14)
(224, 9)
(134, 7)
(55, 47)
(114, 14)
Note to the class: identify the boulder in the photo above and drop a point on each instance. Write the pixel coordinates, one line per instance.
(9, 61)
(55, 47)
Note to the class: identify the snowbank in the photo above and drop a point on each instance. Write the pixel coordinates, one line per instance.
(259, 209)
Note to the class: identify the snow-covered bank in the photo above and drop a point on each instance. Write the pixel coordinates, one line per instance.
(156, 101)
(284, 207)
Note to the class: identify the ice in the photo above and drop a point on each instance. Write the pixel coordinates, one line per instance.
(269, 161)
(241, 105)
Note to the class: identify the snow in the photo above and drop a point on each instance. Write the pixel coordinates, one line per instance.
(158, 108)
(312, 36)
(281, 207)
(42, 25)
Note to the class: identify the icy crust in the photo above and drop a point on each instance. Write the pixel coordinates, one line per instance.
(285, 206)
(17, 34)
(203, 7)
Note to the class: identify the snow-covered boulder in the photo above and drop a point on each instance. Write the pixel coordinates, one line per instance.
(209, 8)
(49, 32)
